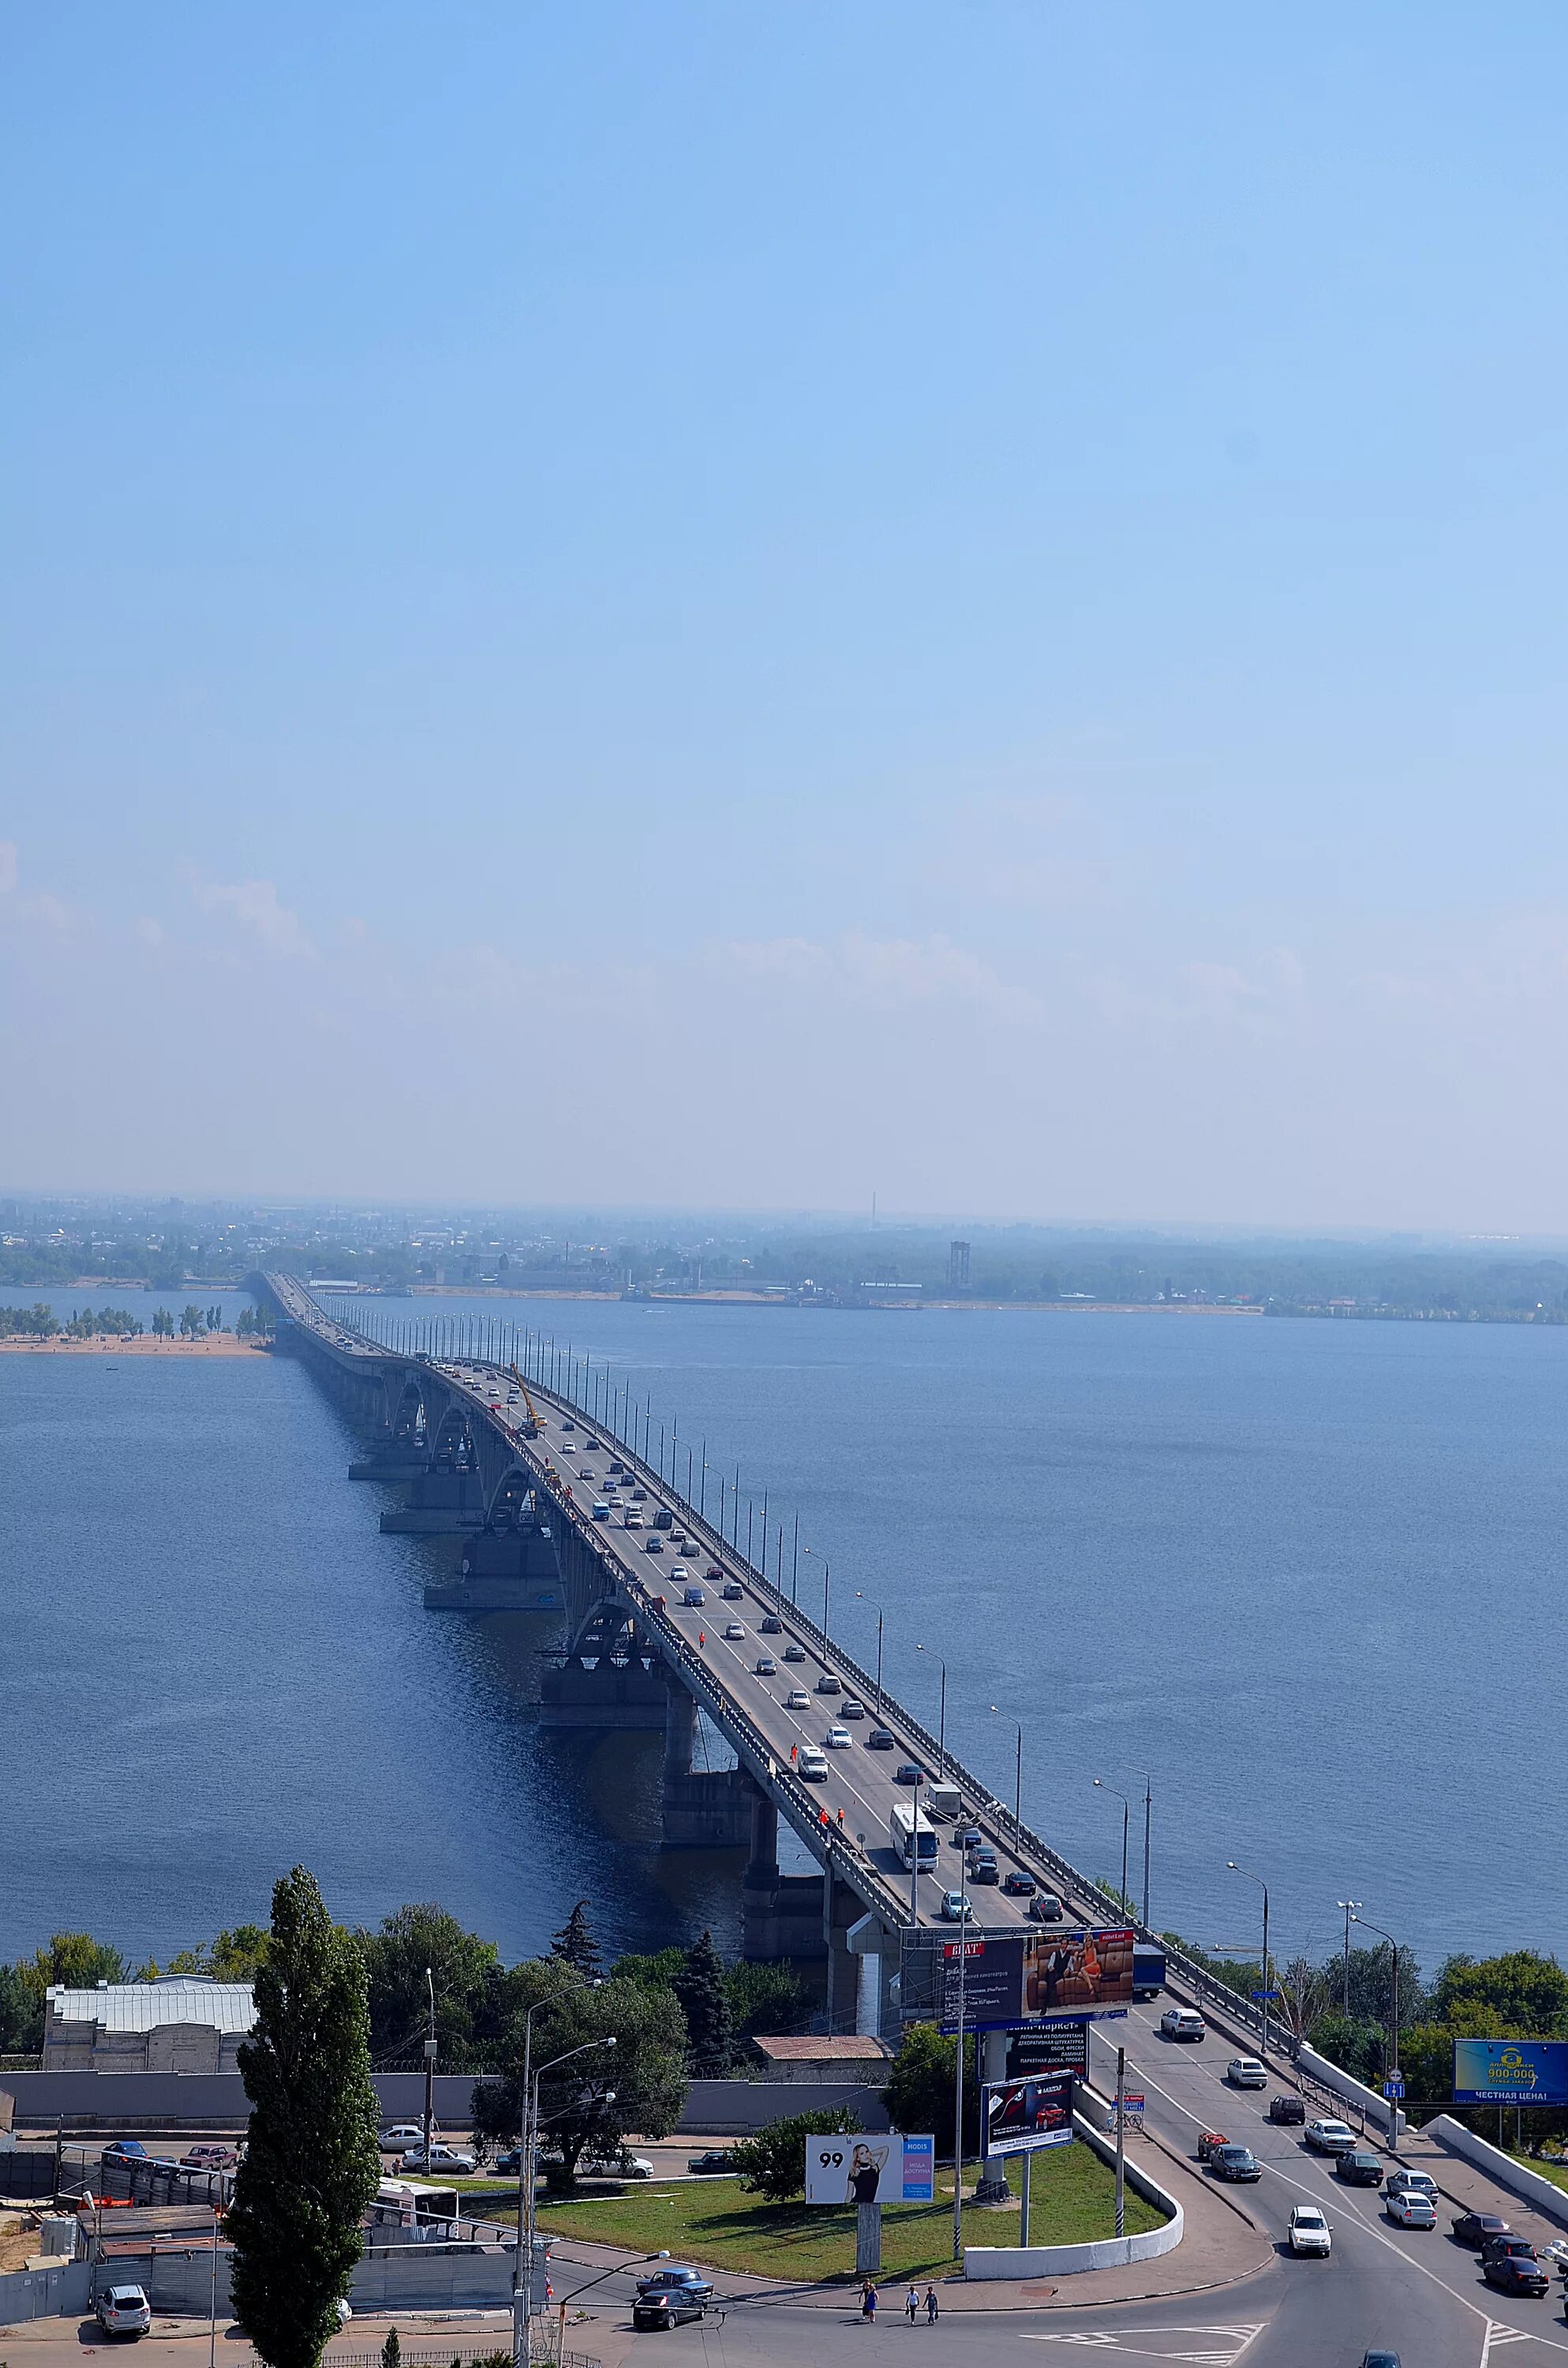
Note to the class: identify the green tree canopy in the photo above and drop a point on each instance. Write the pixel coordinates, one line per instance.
(1527, 1992)
(773, 2162)
(312, 2164)
(77, 1961)
(705, 2002)
(465, 1970)
(597, 2100)
(919, 2094)
(576, 1944)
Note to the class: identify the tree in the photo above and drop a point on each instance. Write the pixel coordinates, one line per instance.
(766, 1998)
(423, 1934)
(21, 2012)
(190, 1322)
(773, 2162)
(392, 2351)
(238, 1955)
(312, 2164)
(919, 2094)
(575, 1943)
(76, 1962)
(1527, 1992)
(597, 2100)
(705, 2002)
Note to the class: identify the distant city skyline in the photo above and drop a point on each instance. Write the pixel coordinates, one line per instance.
(642, 606)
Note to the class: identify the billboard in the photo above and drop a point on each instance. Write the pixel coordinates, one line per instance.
(871, 2166)
(1013, 1978)
(1022, 2116)
(1511, 2072)
(1050, 2047)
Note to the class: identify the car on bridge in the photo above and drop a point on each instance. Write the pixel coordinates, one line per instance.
(1246, 2072)
(797, 1699)
(852, 1707)
(879, 1740)
(733, 1590)
(908, 1771)
(1235, 2162)
(654, 1545)
(1018, 1883)
(812, 1765)
(828, 1684)
(793, 1652)
(1357, 2167)
(956, 1909)
(1512, 2273)
(764, 1665)
(1183, 2023)
(981, 1866)
(1289, 2110)
(1478, 2228)
(1408, 2208)
(680, 1571)
(771, 1624)
(1045, 1908)
(693, 1598)
(838, 1738)
(1419, 2182)
(966, 1838)
(601, 1512)
(735, 1630)
(1327, 2136)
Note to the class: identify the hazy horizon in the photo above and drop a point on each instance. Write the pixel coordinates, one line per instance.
(610, 606)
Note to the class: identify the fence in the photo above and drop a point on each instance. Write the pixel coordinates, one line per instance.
(44, 2293)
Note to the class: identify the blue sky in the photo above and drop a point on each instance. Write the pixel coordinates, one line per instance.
(978, 586)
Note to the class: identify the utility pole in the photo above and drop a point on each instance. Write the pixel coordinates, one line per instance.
(1350, 1906)
(1121, 2140)
(429, 2068)
(957, 2097)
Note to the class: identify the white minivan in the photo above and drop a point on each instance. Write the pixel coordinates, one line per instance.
(1183, 2023)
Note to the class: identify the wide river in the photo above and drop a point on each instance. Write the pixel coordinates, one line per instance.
(1307, 1575)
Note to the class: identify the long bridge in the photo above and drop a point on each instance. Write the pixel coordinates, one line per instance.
(517, 1472)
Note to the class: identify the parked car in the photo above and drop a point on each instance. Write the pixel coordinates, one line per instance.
(828, 1684)
(1326, 2136)
(1045, 1908)
(1183, 2023)
(507, 2164)
(793, 1652)
(766, 1665)
(709, 2164)
(1408, 2208)
(908, 1771)
(733, 1590)
(1512, 2273)
(1419, 2182)
(124, 2310)
(1246, 2072)
(797, 1699)
(665, 2306)
(1235, 2162)
(1356, 2167)
(679, 2279)
(771, 1624)
(400, 2136)
(445, 2159)
(617, 2166)
(1289, 2109)
(208, 2157)
(1019, 1884)
(1310, 2232)
(1495, 2247)
(956, 1909)
(1477, 2228)
(879, 1740)
(1208, 2140)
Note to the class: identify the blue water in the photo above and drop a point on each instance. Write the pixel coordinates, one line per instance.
(1305, 1575)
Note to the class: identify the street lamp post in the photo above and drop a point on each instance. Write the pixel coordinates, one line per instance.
(1126, 1811)
(1350, 1906)
(1017, 1770)
(1393, 2028)
(1148, 1821)
(942, 1706)
(861, 1598)
(1264, 1889)
(523, 2286)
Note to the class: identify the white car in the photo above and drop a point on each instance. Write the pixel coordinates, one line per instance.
(1408, 2208)
(1183, 2023)
(442, 2157)
(799, 1699)
(813, 1767)
(1419, 2182)
(837, 1738)
(1310, 2232)
(625, 2165)
(956, 1909)
(679, 1570)
(124, 2310)
(1246, 2072)
(735, 1630)
(1329, 2137)
(401, 2136)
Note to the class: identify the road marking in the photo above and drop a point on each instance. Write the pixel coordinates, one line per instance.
(1236, 2340)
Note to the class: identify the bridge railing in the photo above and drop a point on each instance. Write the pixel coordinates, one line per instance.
(732, 1721)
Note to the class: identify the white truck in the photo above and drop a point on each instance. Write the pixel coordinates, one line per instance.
(914, 1834)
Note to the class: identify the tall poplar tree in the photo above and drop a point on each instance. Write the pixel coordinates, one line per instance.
(312, 2163)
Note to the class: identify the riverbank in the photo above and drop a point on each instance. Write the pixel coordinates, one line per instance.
(217, 1344)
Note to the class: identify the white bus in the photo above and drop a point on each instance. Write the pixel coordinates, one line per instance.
(914, 1834)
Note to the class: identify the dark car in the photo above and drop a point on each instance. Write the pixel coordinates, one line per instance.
(771, 1624)
(676, 2279)
(1477, 2228)
(879, 1740)
(1235, 2162)
(1020, 1885)
(659, 2306)
(983, 1866)
(1380, 2360)
(1045, 1908)
(1506, 2242)
(909, 1771)
(704, 2165)
(1359, 2169)
(510, 2163)
(1287, 2108)
(132, 2150)
(966, 1838)
(1512, 2273)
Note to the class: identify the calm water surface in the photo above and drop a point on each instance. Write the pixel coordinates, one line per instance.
(1307, 1575)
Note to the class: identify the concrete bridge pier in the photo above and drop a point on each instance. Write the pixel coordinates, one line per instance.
(602, 1699)
(440, 1505)
(511, 1571)
(703, 1808)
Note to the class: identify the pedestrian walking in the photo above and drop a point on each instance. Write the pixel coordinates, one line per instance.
(930, 2305)
(868, 2303)
(911, 2304)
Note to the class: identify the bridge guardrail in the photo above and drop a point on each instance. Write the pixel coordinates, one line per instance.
(726, 1712)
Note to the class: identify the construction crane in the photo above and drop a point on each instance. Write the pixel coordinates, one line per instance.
(533, 1427)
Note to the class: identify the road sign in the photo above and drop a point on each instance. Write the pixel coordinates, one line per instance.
(1133, 2102)
(1393, 2088)
(1266, 1994)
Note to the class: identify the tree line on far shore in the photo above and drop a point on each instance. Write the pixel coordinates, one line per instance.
(40, 1321)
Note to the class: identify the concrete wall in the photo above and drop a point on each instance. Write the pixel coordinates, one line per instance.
(44, 2293)
(1103, 2252)
(1364, 2100)
(422, 2277)
(1529, 2185)
(201, 2101)
(736, 2108)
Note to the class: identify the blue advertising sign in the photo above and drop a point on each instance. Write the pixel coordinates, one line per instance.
(1511, 2071)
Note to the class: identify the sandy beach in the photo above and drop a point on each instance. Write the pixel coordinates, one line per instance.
(221, 1344)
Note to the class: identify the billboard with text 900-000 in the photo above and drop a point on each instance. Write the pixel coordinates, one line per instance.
(1511, 2072)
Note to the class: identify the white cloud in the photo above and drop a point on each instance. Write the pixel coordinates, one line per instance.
(149, 931)
(887, 974)
(254, 905)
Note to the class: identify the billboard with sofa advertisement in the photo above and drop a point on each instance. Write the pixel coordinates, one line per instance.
(1511, 2071)
(1022, 2116)
(1013, 1978)
(871, 2166)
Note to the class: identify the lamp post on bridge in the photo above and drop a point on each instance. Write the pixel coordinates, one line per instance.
(1148, 1821)
(942, 1712)
(1019, 1768)
(862, 1598)
(1394, 2072)
(1350, 1906)
(1126, 1813)
(1264, 1889)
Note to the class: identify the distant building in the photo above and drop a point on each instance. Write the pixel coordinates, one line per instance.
(851, 2056)
(178, 2024)
(958, 1266)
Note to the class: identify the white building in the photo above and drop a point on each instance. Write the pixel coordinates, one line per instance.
(179, 2023)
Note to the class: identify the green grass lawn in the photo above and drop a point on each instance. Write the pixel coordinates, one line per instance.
(712, 2222)
(1556, 2171)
